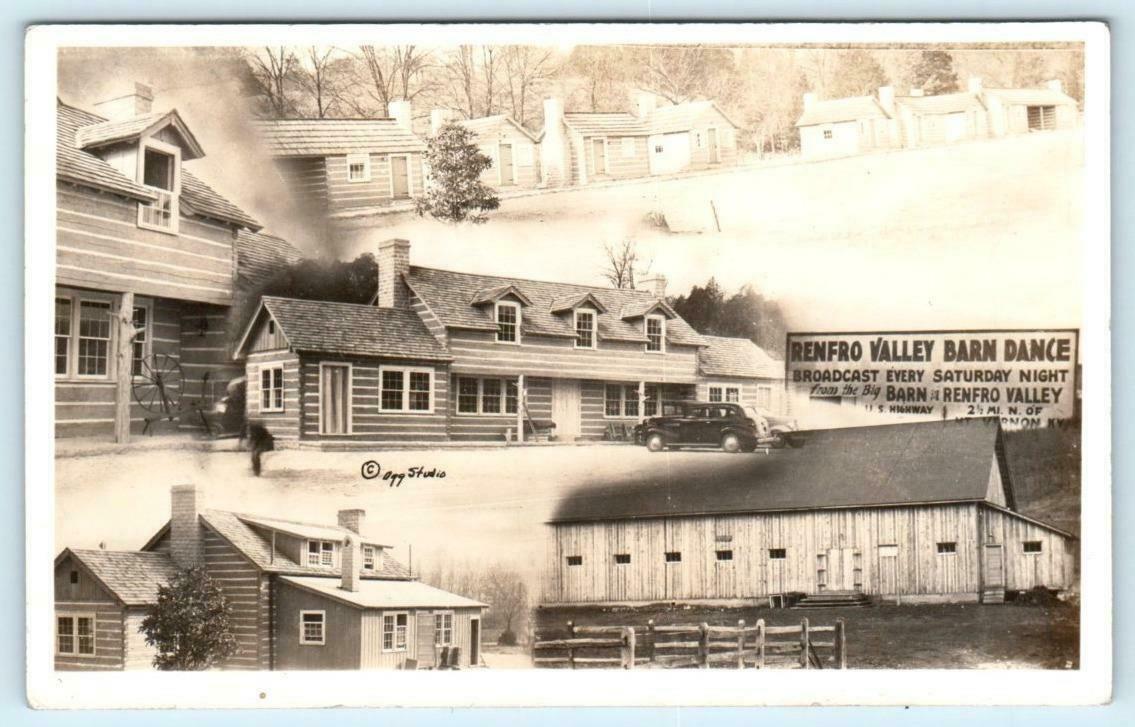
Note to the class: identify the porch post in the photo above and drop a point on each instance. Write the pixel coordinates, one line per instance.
(123, 366)
(521, 407)
(641, 402)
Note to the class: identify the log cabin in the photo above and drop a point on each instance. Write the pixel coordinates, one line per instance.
(348, 165)
(148, 260)
(513, 149)
(450, 356)
(917, 513)
(303, 596)
(580, 148)
(738, 370)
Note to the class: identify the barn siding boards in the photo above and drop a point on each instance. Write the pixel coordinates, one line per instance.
(284, 425)
(1053, 567)
(239, 580)
(342, 630)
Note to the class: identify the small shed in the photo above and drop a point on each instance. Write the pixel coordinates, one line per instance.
(736, 369)
(513, 149)
(1025, 110)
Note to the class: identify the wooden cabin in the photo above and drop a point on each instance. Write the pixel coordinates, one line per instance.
(303, 595)
(738, 370)
(1027, 110)
(916, 513)
(146, 268)
(514, 149)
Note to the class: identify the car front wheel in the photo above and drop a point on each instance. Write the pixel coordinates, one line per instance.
(655, 443)
(731, 443)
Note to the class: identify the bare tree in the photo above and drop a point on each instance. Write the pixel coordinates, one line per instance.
(623, 264)
(526, 67)
(391, 73)
(273, 70)
(602, 70)
(507, 595)
(318, 78)
(682, 73)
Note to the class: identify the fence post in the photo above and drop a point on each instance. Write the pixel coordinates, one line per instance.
(703, 646)
(571, 649)
(804, 661)
(840, 644)
(741, 644)
(651, 637)
(628, 647)
(760, 643)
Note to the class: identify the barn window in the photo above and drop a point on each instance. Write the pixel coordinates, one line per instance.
(575, 560)
(888, 551)
(508, 322)
(75, 635)
(394, 631)
(585, 329)
(74, 577)
(311, 627)
(272, 389)
(405, 389)
(947, 548)
(622, 558)
(358, 167)
(674, 556)
(655, 334)
(725, 555)
(777, 553)
(1032, 546)
(827, 133)
(443, 628)
(320, 553)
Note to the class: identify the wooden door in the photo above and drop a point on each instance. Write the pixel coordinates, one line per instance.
(842, 566)
(427, 649)
(714, 155)
(400, 177)
(566, 409)
(888, 569)
(505, 161)
(334, 399)
(474, 641)
(599, 152)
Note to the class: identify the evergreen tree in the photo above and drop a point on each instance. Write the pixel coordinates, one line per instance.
(454, 191)
(934, 73)
(191, 624)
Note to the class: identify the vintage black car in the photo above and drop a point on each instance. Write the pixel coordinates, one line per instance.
(730, 426)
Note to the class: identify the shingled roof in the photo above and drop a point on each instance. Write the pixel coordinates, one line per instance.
(132, 577)
(333, 137)
(448, 295)
(945, 103)
(682, 116)
(725, 356)
(260, 256)
(386, 594)
(894, 464)
(349, 329)
(76, 165)
(842, 109)
(606, 123)
(110, 132)
(485, 124)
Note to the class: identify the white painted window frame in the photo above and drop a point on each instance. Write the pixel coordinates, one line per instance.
(452, 628)
(175, 206)
(394, 648)
(350, 403)
(406, 371)
(496, 319)
(505, 381)
(112, 344)
(75, 616)
(304, 641)
(594, 328)
(272, 408)
(724, 392)
(622, 400)
(657, 399)
(319, 556)
(646, 332)
(409, 174)
(364, 159)
(767, 390)
(373, 553)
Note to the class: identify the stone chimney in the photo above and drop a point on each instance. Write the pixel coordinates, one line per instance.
(352, 519)
(350, 561)
(553, 146)
(656, 284)
(974, 85)
(185, 545)
(393, 263)
(127, 102)
(438, 119)
(887, 99)
(645, 103)
(917, 92)
(401, 112)
(809, 100)
(1055, 85)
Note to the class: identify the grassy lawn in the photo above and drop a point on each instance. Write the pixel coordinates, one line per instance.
(948, 636)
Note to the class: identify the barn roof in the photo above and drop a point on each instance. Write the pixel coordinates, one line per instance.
(893, 464)
(83, 167)
(946, 103)
(132, 577)
(835, 110)
(349, 329)
(385, 594)
(260, 255)
(448, 295)
(333, 137)
(725, 356)
(1031, 97)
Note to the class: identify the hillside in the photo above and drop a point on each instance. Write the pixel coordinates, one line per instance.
(1044, 465)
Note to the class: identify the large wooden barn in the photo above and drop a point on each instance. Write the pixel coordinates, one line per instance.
(918, 512)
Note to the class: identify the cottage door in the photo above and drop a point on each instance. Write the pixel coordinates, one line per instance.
(334, 399)
(599, 154)
(427, 640)
(714, 155)
(994, 567)
(565, 408)
(400, 177)
(505, 161)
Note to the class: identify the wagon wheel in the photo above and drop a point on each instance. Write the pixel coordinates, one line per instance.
(157, 387)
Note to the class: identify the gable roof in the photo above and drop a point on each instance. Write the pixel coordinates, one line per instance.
(565, 303)
(83, 167)
(385, 594)
(605, 123)
(496, 292)
(1031, 97)
(724, 356)
(306, 530)
(110, 132)
(349, 329)
(260, 255)
(835, 110)
(641, 308)
(333, 137)
(682, 116)
(946, 103)
(892, 464)
(448, 294)
(485, 124)
(132, 577)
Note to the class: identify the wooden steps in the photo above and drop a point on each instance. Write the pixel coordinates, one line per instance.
(834, 599)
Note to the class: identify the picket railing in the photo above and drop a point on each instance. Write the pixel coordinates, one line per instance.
(702, 646)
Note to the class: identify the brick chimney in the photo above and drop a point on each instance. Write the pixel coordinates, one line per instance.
(352, 519)
(1055, 85)
(974, 85)
(185, 545)
(400, 111)
(135, 99)
(887, 99)
(393, 263)
(645, 103)
(350, 561)
(656, 284)
(809, 100)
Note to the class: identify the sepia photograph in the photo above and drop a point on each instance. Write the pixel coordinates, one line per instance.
(513, 351)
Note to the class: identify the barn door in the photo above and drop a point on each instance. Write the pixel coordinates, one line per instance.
(400, 177)
(888, 569)
(842, 570)
(505, 161)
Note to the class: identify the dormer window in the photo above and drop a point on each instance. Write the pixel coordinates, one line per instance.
(321, 553)
(584, 328)
(655, 334)
(369, 559)
(159, 170)
(508, 322)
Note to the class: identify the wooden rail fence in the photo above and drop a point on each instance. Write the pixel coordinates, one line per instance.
(701, 646)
